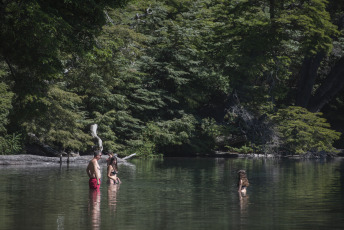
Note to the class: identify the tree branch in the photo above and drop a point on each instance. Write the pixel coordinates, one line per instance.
(334, 84)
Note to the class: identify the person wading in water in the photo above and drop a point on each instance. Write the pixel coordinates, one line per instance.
(112, 170)
(93, 171)
(242, 182)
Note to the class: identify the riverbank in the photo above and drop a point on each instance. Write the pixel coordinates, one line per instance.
(27, 159)
(309, 155)
(239, 155)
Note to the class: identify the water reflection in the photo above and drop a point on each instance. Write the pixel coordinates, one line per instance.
(60, 221)
(192, 194)
(94, 208)
(112, 197)
(243, 201)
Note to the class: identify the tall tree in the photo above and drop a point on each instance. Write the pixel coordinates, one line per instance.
(36, 37)
(247, 46)
(319, 33)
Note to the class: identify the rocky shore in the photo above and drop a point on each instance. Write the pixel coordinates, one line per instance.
(27, 159)
(41, 160)
(33, 159)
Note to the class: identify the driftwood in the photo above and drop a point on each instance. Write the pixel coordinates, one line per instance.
(94, 135)
(40, 153)
(94, 128)
(257, 130)
(36, 146)
(25, 159)
(127, 157)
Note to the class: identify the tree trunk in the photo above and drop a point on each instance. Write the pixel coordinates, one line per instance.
(272, 9)
(307, 78)
(333, 85)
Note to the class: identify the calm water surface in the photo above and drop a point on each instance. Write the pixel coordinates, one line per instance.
(176, 193)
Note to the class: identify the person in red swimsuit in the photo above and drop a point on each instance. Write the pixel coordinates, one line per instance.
(93, 171)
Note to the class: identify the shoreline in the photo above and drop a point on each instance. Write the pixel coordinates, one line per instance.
(27, 159)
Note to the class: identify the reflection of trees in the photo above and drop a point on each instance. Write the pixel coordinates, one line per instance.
(340, 170)
(292, 186)
(94, 208)
(301, 179)
(184, 189)
(45, 195)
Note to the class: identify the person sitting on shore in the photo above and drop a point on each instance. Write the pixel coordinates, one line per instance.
(112, 171)
(93, 171)
(242, 182)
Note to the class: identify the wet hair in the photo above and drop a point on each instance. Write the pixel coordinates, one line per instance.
(97, 153)
(112, 159)
(109, 152)
(243, 177)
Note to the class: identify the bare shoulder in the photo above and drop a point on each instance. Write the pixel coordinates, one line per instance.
(90, 163)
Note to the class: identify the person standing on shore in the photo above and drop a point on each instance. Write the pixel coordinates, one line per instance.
(93, 171)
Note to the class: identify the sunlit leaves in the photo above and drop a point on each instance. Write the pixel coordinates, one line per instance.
(5, 106)
(62, 124)
(304, 131)
(312, 24)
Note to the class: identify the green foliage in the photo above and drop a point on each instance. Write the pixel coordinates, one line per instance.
(176, 57)
(62, 124)
(309, 23)
(210, 128)
(111, 87)
(116, 129)
(144, 148)
(170, 132)
(5, 106)
(248, 49)
(37, 40)
(303, 131)
(11, 144)
(162, 75)
(243, 149)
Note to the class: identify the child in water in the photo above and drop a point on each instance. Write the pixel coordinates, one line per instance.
(242, 182)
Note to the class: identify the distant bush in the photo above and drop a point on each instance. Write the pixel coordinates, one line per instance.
(302, 131)
(10, 144)
(243, 149)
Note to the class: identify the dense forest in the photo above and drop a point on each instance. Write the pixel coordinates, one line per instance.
(179, 77)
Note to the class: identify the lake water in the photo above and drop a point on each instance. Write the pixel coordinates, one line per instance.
(176, 193)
